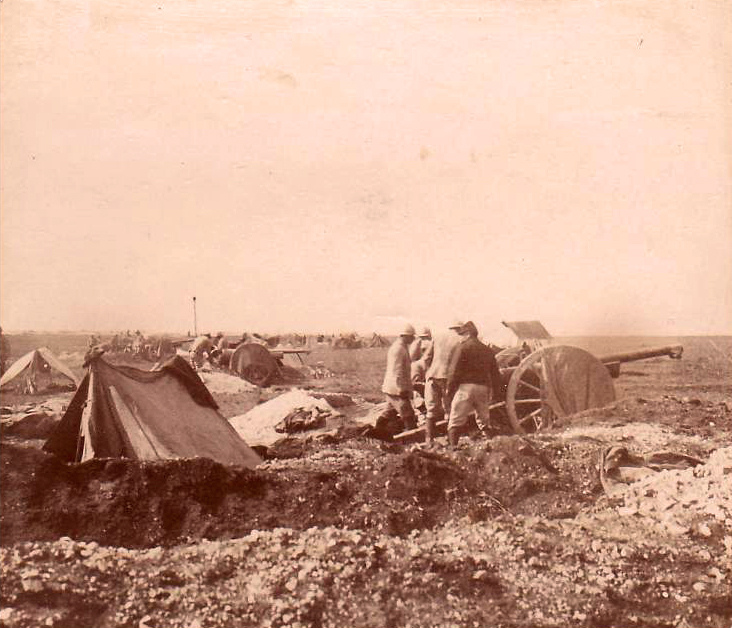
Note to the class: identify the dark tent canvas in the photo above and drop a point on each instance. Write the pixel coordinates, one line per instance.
(38, 370)
(166, 413)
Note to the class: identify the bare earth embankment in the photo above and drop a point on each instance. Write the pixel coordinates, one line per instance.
(341, 530)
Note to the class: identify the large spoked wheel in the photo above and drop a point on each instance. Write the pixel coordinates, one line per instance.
(553, 383)
(525, 406)
(254, 363)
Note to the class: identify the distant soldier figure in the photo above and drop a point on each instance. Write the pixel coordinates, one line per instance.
(437, 359)
(399, 414)
(473, 379)
(220, 344)
(200, 350)
(4, 351)
(138, 343)
(127, 342)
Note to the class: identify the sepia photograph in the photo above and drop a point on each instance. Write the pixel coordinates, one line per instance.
(407, 314)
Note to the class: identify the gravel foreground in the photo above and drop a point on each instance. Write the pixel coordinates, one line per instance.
(522, 572)
(657, 555)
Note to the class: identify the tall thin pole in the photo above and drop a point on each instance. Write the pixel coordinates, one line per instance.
(195, 322)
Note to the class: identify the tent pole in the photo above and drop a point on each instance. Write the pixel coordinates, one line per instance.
(195, 322)
(83, 443)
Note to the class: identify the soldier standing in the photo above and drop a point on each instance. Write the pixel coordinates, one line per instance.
(473, 380)
(398, 386)
(4, 351)
(437, 358)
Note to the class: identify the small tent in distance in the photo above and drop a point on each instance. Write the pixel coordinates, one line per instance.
(166, 413)
(36, 371)
(378, 341)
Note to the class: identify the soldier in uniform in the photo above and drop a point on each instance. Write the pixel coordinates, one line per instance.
(397, 386)
(438, 357)
(473, 381)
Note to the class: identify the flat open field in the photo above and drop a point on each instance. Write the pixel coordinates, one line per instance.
(344, 530)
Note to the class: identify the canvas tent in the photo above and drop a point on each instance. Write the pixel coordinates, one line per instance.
(38, 370)
(378, 341)
(165, 413)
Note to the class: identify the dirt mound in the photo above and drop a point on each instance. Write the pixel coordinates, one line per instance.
(31, 425)
(35, 420)
(358, 484)
(704, 417)
(219, 382)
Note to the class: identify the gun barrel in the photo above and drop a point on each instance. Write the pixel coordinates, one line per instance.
(672, 351)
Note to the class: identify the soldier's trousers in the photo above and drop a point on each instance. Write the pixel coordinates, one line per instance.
(471, 398)
(399, 414)
(435, 398)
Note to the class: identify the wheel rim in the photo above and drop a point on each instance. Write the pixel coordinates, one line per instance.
(256, 374)
(555, 382)
(525, 405)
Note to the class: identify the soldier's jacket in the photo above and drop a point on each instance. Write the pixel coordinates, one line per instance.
(201, 345)
(398, 376)
(438, 354)
(419, 348)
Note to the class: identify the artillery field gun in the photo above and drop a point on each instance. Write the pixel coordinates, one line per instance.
(544, 382)
(255, 362)
(555, 381)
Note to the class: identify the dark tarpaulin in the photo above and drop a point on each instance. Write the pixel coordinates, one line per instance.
(63, 440)
(574, 380)
(146, 415)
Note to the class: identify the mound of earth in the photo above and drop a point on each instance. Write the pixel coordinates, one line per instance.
(358, 484)
(31, 425)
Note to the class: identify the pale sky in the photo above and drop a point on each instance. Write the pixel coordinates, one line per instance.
(311, 165)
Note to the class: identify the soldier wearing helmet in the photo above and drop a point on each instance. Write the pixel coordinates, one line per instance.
(436, 360)
(420, 345)
(397, 386)
(418, 354)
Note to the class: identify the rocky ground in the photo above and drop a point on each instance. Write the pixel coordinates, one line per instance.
(341, 530)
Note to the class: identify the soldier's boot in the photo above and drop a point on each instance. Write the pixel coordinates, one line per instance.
(410, 421)
(429, 430)
(453, 437)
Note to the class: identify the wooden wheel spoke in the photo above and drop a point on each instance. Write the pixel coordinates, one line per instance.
(526, 381)
(529, 386)
(532, 416)
(523, 402)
